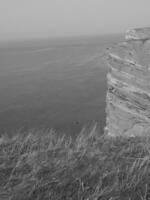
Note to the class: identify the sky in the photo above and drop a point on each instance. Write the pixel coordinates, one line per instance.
(27, 19)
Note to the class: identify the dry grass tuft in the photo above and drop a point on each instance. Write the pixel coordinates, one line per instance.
(91, 167)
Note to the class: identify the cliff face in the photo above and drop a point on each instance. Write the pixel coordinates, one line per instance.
(128, 95)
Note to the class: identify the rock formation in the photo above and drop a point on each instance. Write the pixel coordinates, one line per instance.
(128, 95)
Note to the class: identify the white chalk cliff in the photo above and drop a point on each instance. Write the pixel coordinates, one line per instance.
(128, 95)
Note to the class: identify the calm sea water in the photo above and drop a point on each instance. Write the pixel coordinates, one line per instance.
(53, 83)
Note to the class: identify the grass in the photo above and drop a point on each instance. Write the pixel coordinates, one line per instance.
(89, 167)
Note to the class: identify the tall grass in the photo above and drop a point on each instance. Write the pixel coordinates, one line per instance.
(92, 166)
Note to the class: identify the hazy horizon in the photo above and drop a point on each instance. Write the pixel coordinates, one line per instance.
(31, 19)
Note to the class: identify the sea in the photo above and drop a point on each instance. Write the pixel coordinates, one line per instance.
(57, 83)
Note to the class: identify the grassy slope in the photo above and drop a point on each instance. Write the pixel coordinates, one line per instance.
(91, 167)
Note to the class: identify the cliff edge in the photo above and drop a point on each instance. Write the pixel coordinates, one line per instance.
(128, 95)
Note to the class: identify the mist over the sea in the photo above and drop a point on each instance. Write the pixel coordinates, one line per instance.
(53, 83)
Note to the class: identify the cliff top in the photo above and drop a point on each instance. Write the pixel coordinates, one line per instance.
(138, 34)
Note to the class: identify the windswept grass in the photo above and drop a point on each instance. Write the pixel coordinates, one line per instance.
(91, 167)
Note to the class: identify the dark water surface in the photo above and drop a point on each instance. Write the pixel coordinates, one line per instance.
(53, 83)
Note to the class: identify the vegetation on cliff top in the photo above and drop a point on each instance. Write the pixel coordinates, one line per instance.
(91, 167)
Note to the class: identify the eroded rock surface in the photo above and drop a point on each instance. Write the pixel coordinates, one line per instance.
(128, 95)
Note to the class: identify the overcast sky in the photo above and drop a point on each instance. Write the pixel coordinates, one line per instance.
(21, 19)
